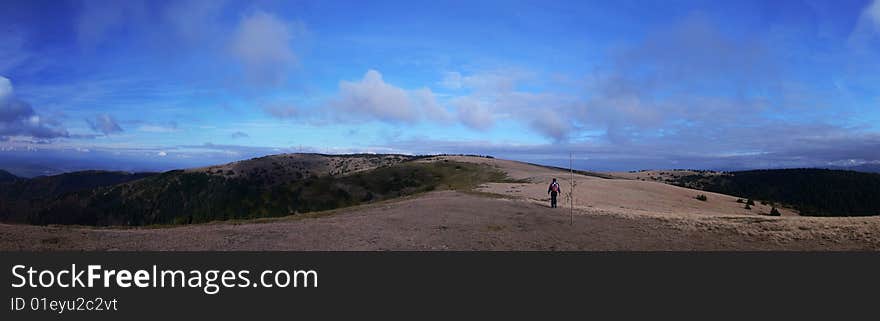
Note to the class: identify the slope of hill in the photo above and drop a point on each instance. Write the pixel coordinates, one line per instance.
(263, 187)
(620, 196)
(866, 168)
(580, 172)
(22, 197)
(286, 167)
(42, 186)
(6, 176)
(670, 176)
(814, 192)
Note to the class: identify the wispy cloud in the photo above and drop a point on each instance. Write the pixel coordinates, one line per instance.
(167, 127)
(491, 96)
(867, 28)
(262, 43)
(282, 110)
(97, 21)
(5, 88)
(105, 124)
(12, 52)
(872, 14)
(18, 118)
(194, 21)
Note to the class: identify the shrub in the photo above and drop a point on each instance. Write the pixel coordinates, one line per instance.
(739, 200)
(748, 207)
(750, 202)
(774, 212)
(764, 203)
(702, 197)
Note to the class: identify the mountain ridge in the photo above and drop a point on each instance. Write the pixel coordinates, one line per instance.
(274, 185)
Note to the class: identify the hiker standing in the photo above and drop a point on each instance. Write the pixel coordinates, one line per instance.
(553, 190)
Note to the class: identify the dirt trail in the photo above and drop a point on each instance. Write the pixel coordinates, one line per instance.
(609, 215)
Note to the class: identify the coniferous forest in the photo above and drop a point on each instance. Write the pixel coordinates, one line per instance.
(813, 192)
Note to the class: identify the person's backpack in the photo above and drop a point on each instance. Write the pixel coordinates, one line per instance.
(554, 187)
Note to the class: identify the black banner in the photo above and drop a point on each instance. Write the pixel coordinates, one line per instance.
(419, 284)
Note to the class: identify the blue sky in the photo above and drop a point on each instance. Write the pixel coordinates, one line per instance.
(622, 85)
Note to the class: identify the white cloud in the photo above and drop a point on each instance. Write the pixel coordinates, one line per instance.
(162, 154)
(5, 88)
(18, 118)
(426, 100)
(261, 42)
(552, 124)
(473, 113)
(373, 98)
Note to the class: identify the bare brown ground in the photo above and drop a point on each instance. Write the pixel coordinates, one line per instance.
(608, 215)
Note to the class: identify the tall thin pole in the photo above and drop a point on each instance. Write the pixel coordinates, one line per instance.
(571, 190)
